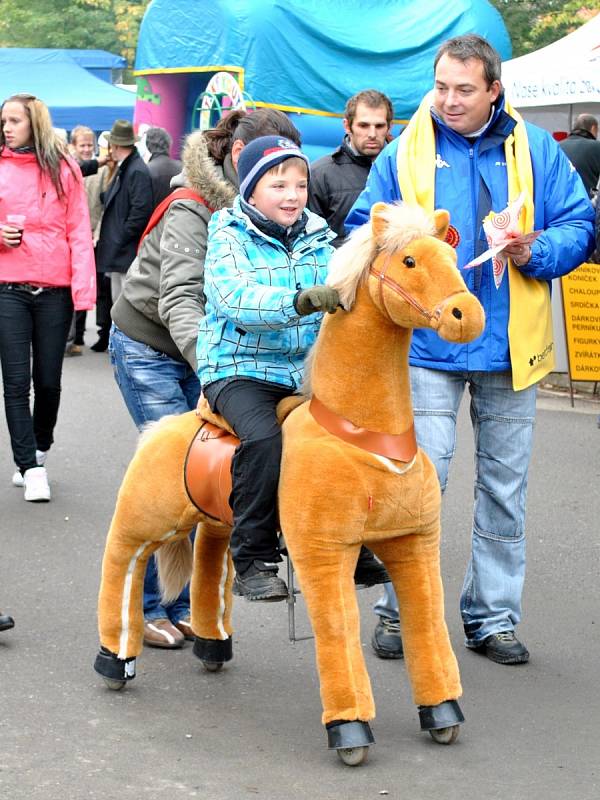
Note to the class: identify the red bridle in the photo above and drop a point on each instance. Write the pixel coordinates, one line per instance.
(385, 280)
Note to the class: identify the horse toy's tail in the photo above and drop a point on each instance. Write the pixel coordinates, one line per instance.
(175, 562)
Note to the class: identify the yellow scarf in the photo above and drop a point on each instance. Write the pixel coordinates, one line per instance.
(530, 334)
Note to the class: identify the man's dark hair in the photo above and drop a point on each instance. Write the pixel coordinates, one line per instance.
(247, 126)
(371, 98)
(462, 48)
(585, 122)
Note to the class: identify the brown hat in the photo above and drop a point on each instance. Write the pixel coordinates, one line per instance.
(122, 133)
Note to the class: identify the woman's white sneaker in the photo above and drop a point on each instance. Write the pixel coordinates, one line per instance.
(40, 457)
(36, 485)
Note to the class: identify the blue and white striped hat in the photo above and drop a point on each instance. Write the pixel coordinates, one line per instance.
(261, 155)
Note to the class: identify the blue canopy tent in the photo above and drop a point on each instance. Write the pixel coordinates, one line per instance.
(307, 57)
(73, 95)
(99, 63)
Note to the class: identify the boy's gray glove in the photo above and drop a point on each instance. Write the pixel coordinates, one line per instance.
(317, 298)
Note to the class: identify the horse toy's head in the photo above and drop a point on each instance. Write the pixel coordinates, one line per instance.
(410, 272)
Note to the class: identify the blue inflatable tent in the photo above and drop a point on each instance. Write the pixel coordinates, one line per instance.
(307, 57)
(74, 84)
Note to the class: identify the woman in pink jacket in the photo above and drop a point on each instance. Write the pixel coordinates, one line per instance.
(46, 270)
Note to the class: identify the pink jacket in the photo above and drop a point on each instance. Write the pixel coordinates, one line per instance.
(56, 249)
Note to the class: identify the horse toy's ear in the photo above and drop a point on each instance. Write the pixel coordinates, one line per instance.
(378, 222)
(441, 220)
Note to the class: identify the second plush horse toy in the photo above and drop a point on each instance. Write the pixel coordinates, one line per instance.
(351, 474)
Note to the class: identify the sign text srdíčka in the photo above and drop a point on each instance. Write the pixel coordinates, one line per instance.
(581, 305)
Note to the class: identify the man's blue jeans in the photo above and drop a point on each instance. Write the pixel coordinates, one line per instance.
(503, 428)
(153, 385)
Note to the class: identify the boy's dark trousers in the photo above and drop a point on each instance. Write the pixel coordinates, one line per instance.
(249, 407)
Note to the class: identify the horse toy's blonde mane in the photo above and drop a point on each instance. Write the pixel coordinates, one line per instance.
(350, 263)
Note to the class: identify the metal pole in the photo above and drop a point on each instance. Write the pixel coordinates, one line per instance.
(291, 604)
(291, 601)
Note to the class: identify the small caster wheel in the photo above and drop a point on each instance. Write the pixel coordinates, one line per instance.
(116, 686)
(115, 672)
(445, 735)
(442, 721)
(212, 666)
(350, 739)
(213, 653)
(353, 756)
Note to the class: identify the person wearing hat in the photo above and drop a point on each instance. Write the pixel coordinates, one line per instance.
(266, 264)
(128, 204)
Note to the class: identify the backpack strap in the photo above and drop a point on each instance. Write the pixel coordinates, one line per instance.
(162, 208)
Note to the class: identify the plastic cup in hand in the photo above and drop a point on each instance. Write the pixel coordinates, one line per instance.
(16, 221)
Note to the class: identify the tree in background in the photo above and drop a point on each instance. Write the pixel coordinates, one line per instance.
(536, 23)
(128, 18)
(111, 25)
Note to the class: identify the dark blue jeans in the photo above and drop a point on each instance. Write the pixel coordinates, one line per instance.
(33, 334)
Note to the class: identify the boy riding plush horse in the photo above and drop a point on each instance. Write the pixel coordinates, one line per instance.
(351, 473)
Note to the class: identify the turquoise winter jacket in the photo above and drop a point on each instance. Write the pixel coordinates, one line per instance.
(471, 180)
(251, 328)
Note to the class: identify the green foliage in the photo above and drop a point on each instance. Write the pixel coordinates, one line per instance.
(87, 24)
(536, 23)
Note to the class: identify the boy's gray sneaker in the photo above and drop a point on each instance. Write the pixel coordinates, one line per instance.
(386, 640)
(260, 582)
(502, 647)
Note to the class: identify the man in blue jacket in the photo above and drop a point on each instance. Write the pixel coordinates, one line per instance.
(467, 151)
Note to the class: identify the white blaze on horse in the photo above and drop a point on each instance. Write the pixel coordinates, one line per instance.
(351, 474)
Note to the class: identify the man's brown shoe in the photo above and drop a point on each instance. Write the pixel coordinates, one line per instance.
(162, 633)
(185, 626)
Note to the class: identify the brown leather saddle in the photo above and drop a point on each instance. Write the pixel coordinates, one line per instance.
(207, 471)
(207, 468)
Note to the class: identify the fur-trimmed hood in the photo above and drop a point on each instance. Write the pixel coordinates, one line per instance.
(201, 173)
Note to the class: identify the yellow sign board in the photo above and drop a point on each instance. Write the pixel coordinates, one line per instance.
(581, 305)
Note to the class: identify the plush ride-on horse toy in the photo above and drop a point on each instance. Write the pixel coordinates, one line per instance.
(351, 474)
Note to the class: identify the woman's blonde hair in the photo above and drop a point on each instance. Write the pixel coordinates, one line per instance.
(48, 146)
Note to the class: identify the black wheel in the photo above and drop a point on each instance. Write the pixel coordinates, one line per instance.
(113, 684)
(353, 756)
(445, 735)
(212, 666)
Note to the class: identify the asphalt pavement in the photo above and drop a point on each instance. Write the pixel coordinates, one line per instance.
(254, 730)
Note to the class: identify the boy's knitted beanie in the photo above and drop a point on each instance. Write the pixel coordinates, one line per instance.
(260, 155)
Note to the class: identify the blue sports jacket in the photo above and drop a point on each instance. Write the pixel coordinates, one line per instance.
(251, 328)
(470, 180)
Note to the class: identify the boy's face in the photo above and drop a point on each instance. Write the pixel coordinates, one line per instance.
(281, 196)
